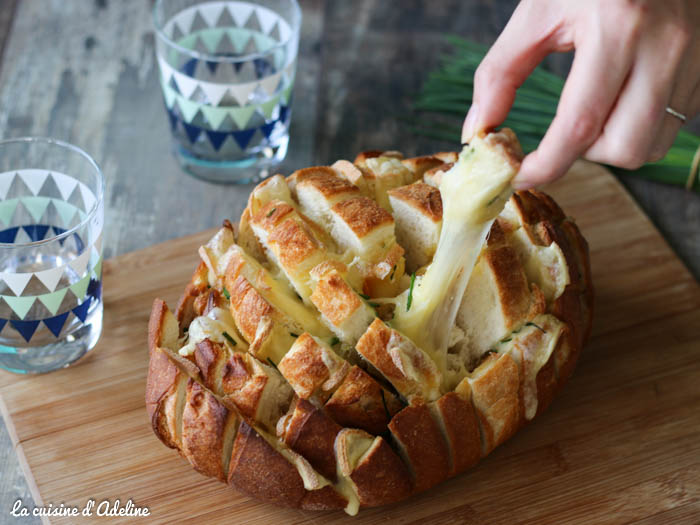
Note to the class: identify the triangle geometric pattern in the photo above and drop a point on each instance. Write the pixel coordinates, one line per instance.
(241, 138)
(229, 14)
(227, 81)
(215, 115)
(79, 307)
(38, 205)
(88, 285)
(230, 93)
(17, 282)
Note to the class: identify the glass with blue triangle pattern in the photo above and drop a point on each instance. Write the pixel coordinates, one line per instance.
(51, 219)
(227, 72)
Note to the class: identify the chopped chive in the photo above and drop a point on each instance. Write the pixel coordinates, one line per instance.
(536, 326)
(269, 213)
(489, 203)
(186, 329)
(365, 297)
(226, 294)
(293, 334)
(272, 364)
(506, 340)
(386, 410)
(229, 338)
(393, 271)
(373, 305)
(410, 292)
(334, 341)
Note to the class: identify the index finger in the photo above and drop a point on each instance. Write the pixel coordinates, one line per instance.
(531, 34)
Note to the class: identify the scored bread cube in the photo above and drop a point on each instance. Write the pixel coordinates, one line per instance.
(383, 173)
(308, 431)
(277, 292)
(531, 346)
(352, 173)
(407, 367)
(495, 386)
(433, 177)
(366, 231)
(545, 263)
(414, 432)
(317, 189)
(312, 369)
(447, 156)
(268, 331)
(361, 402)
(498, 297)
(343, 310)
(208, 431)
(213, 254)
(417, 210)
(419, 165)
(289, 479)
(457, 420)
(374, 153)
(289, 242)
(273, 189)
(166, 383)
(359, 228)
(257, 390)
(377, 475)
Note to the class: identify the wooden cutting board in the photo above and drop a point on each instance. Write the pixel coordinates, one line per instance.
(621, 443)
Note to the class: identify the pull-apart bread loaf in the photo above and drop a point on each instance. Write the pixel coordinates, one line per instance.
(336, 350)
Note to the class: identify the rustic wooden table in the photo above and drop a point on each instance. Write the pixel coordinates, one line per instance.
(84, 71)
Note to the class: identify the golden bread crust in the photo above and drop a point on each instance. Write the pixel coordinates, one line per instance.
(203, 423)
(325, 181)
(279, 482)
(423, 197)
(422, 445)
(358, 414)
(310, 432)
(362, 215)
(361, 402)
(461, 430)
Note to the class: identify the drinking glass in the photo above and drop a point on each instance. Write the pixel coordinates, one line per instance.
(227, 71)
(51, 218)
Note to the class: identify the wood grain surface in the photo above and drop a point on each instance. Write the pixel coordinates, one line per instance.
(621, 444)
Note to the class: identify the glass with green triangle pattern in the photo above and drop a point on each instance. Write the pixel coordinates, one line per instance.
(51, 219)
(227, 71)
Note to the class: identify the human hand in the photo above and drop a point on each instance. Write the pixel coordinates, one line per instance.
(634, 58)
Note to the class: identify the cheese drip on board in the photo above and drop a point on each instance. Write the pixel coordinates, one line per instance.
(473, 193)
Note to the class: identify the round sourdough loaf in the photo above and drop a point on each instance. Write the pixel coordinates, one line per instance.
(280, 371)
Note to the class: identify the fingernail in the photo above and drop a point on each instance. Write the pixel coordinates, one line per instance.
(469, 123)
(520, 183)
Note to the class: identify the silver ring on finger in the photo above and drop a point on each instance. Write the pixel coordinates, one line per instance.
(680, 116)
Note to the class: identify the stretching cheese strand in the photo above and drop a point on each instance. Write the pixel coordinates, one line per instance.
(473, 193)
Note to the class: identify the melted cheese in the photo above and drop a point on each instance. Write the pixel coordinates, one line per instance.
(531, 347)
(473, 193)
(280, 295)
(212, 326)
(352, 450)
(544, 265)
